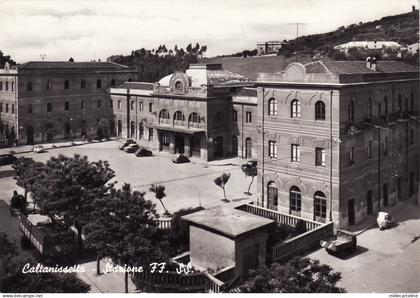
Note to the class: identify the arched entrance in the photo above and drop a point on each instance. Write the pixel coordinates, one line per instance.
(234, 146)
(218, 147)
(30, 135)
(248, 148)
(272, 195)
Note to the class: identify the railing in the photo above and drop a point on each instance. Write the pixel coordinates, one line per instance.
(164, 224)
(278, 216)
(173, 280)
(302, 242)
(226, 274)
(214, 284)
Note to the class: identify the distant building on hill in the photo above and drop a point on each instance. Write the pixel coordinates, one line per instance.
(368, 45)
(269, 47)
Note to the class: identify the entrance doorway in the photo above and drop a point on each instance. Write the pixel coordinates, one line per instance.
(234, 146)
(30, 135)
(248, 148)
(179, 144)
(272, 195)
(351, 212)
(218, 147)
(385, 194)
(369, 202)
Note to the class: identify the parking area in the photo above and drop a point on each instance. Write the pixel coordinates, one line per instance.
(187, 185)
(386, 261)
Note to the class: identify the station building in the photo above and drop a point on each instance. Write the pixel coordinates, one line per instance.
(338, 140)
(48, 101)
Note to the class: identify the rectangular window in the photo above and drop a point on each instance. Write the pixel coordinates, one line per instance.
(132, 105)
(7, 108)
(165, 140)
(13, 109)
(369, 150)
(320, 157)
(295, 153)
(30, 108)
(66, 106)
(150, 107)
(99, 103)
(82, 105)
(235, 115)
(141, 106)
(272, 149)
(111, 104)
(248, 117)
(1, 107)
(49, 107)
(119, 105)
(351, 157)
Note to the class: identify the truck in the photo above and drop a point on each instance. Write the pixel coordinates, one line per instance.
(50, 237)
(339, 244)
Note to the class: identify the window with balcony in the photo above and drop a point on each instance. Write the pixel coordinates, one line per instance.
(295, 109)
(163, 116)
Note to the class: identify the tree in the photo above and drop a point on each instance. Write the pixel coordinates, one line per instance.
(124, 229)
(27, 172)
(221, 181)
(13, 280)
(250, 169)
(159, 191)
(18, 201)
(69, 185)
(299, 275)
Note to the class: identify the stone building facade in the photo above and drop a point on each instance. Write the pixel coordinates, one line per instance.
(187, 112)
(47, 101)
(338, 140)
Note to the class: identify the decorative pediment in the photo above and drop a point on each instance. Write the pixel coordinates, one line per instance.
(179, 83)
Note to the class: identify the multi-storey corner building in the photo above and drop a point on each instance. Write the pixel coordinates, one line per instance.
(338, 140)
(47, 101)
(187, 112)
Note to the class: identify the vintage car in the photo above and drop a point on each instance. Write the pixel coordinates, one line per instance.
(7, 159)
(127, 143)
(181, 159)
(131, 148)
(384, 220)
(143, 152)
(343, 242)
(38, 149)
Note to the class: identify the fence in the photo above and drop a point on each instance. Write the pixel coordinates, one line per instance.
(164, 224)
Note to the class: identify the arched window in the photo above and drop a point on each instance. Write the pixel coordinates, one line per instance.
(7, 86)
(29, 86)
(295, 200)
(113, 83)
(66, 84)
(82, 84)
(370, 108)
(179, 116)
(194, 118)
(163, 114)
(320, 206)
(248, 148)
(272, 107)
(319, 110)
(49, 85)
(351, 111)
(295, 111)
(272, 195)
(98, 83)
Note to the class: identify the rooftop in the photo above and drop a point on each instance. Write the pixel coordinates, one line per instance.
(38, 65)
(136, 85)
(357, 67)
(229, 221)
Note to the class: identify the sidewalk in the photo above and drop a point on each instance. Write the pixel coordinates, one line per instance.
(49, 146)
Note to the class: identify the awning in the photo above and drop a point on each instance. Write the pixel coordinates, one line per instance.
(182, 129)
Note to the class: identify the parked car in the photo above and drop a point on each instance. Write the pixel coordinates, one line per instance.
(38, 149)
(126, 143)
(7, 159)
(143, 152)
(180, 159)
(343, 242)
(131, 148)
(384, 220)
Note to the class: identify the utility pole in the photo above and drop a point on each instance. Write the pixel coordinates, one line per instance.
(297, 27)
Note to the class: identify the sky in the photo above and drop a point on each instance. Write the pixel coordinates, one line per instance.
(91, 30)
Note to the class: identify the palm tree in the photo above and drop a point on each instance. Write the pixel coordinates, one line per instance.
(159, 191)
(221, 182)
